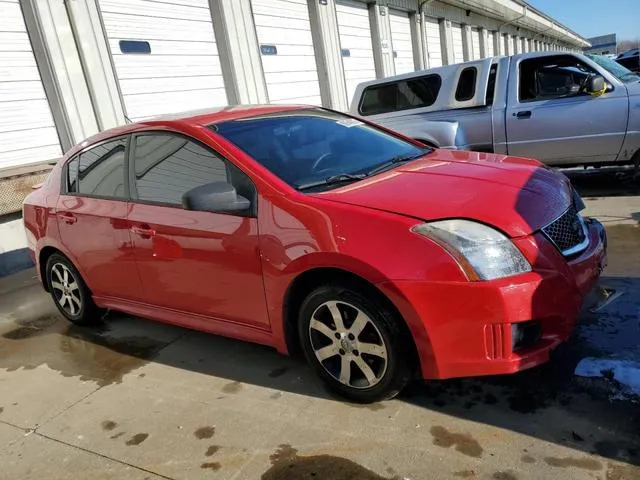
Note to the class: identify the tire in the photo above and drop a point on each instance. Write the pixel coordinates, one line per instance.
(348, 350)
(69, 292)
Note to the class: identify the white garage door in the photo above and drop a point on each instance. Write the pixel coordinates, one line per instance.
(434, 47)
(355, 42)
(165, 55)
(458, 50)
(27, 132)
(525, 48)
(288, 57)
(475, 44)
(515, 48)
(508, 46)
(401, 41)
(490, 45)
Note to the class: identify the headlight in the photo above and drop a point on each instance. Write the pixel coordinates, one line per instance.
(482, 252)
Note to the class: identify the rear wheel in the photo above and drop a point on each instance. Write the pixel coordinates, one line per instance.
(354, 343)
(69, 292)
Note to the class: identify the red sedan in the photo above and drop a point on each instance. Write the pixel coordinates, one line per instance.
(309, 230)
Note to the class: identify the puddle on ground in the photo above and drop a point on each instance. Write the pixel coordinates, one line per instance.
(232, 387)
(527, 459)
(463, 443)
(465, 474)
(278, 372)
(583, 463)
(137, 439)
(204, 432)
(212, 450)
(504, 476)
(90, 353)
(286, 464)
(108, 425)
(215, 466)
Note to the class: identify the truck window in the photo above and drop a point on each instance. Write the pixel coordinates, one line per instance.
(491, 84)
(466, 84)
(400, 95)
(552, 77)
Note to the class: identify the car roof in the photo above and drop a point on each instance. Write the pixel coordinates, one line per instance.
(201, 117)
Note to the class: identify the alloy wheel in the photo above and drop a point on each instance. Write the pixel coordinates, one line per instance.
(66, 289)
(348, 344)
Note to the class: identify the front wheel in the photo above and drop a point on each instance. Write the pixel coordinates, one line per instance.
(354, 343)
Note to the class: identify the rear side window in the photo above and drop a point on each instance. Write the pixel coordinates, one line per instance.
(401, 95)
(466, 89)
(99, 171)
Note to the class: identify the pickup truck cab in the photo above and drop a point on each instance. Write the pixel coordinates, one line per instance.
(560, 108)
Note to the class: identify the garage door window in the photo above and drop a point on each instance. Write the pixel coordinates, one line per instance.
(167, 166)
(99, 171)
(402, 95)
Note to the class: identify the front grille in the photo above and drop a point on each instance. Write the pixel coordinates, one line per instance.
(567, 232)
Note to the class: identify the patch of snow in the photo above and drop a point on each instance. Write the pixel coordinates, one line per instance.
(625, 372)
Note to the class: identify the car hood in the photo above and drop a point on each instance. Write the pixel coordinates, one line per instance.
(516, 195)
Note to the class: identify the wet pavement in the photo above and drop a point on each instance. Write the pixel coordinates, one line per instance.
(136, 399)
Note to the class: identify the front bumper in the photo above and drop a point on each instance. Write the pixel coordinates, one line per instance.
(464, 328)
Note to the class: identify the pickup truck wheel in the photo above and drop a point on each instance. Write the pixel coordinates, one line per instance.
(69, 292)
(353, 343)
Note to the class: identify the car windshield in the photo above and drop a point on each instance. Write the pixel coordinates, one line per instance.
(316, 147)
(621, 73)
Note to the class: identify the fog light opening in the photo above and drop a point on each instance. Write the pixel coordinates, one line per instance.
(525, 335)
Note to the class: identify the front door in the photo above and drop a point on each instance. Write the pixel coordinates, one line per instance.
(92, 211)
(198, 262)
(550, 118)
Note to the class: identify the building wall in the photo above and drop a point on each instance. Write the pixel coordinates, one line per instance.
(213, 52)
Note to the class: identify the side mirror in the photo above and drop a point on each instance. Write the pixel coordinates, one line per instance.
(217, 197)
(596, 85)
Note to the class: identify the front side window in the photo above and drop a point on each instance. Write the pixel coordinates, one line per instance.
(400, 95)
(99, 171)
(167, 166)
(547, 78)
(308, 145)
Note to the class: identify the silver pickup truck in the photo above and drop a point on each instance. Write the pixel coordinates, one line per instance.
(561, 108)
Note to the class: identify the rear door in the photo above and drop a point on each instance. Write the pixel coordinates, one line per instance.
(549, 119)
(193, 261)
(91, 211)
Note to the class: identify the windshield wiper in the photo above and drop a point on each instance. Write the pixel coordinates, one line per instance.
(332, 180)
(396, 160)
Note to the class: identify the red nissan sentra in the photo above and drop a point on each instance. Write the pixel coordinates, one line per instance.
(310, 230)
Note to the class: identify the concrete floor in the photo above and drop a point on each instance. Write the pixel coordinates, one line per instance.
(135, 399)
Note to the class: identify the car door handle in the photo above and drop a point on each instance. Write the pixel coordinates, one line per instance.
(521, 115)
(67, 217)
(144, 231)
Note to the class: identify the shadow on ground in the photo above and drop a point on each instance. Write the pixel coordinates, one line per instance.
(604, 182)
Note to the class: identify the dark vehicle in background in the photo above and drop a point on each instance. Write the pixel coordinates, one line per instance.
(630, 59)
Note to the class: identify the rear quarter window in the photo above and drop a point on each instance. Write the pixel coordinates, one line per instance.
(400, 95)
(466, 88)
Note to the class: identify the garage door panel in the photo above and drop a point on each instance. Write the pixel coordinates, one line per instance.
(490, 40)
(291, 64)
(285, 77)
(147, 105)
(169, 47)
(129, 27)
(355, 36)
(475, 44)
(183, 70)
(157, 10)
(434, 46)
(27, 131)
(15, 42)
(401, 41)
(26, 155)
(291, 74)
(28, 90)
(458, 50)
